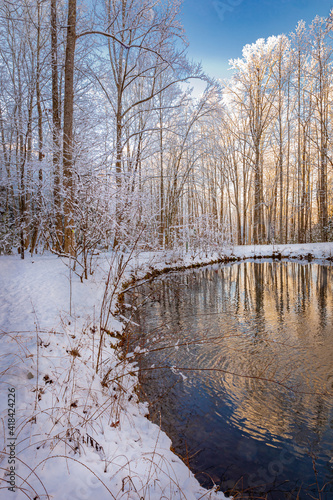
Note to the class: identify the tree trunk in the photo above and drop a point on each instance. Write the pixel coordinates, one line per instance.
(69, 239)
(56, 128)
(40, 137)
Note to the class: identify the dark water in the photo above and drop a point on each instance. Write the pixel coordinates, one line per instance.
(239, 371)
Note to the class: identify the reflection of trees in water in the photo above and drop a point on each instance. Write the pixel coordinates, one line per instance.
(322, 285)
(288, 303)
(266, 320)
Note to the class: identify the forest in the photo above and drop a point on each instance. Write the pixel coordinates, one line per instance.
(104, 144)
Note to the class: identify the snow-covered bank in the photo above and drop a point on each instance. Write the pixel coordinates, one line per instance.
(301, 250)
(75, 434)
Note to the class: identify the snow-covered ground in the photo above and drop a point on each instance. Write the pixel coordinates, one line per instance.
(67, 432)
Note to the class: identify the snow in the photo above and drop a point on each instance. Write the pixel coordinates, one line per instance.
(316, 250)
(78, 434)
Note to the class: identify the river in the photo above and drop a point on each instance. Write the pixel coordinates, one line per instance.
(238, 370)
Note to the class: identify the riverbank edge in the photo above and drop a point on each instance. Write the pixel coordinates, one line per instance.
(255, 252)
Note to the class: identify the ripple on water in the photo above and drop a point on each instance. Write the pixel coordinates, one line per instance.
(252, 379)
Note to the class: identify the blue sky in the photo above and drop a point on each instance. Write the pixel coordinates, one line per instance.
(217, 30)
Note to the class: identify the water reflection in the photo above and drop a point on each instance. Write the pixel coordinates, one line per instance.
(243, 371)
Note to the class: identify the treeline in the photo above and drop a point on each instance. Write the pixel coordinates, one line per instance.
(276, 138)
(103, 144)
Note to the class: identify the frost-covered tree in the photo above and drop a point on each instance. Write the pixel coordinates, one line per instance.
(278, 106)
(253, 92)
